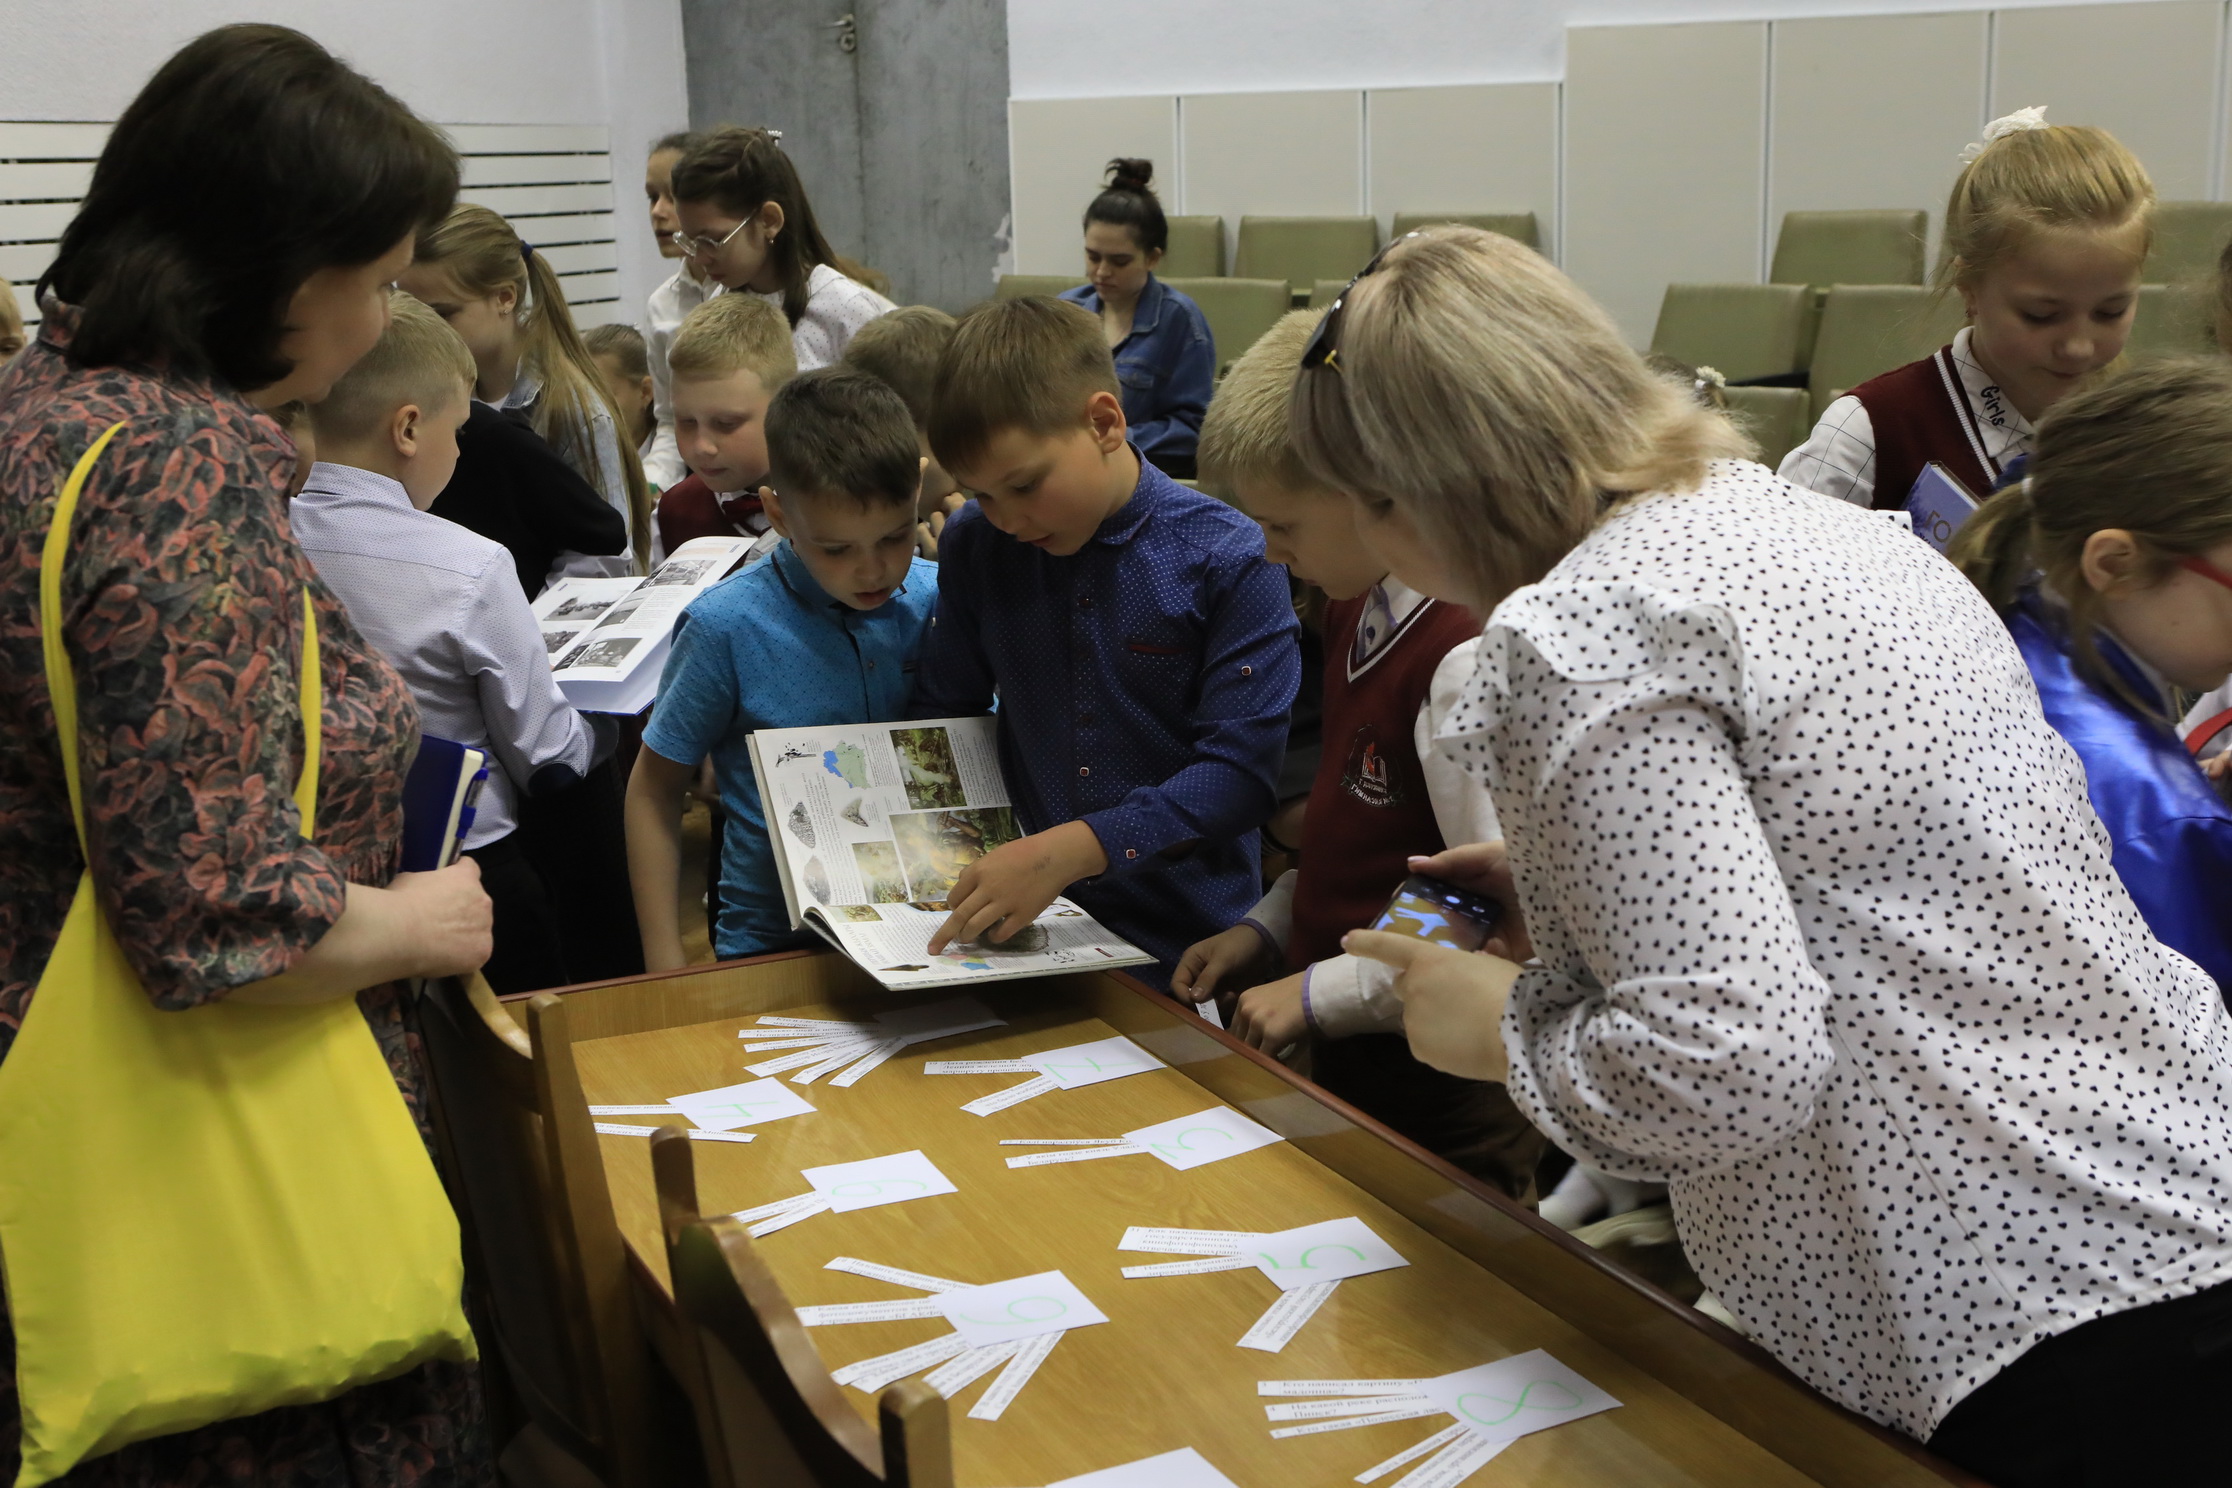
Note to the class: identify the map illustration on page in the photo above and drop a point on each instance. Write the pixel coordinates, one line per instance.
(872, 824)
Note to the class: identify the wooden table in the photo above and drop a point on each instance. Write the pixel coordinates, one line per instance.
(1486, 1279)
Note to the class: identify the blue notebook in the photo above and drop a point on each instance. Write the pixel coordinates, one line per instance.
(1938, 505)
(438, 800)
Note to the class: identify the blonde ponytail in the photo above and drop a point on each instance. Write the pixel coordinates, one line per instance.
(479, 249)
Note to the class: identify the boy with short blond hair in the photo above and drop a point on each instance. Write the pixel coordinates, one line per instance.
(729, 357)
(445, 607)
(1394, 663)
(824, 631)
(1142, 652)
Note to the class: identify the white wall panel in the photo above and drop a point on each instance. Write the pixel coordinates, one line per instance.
(2146, 73)
(1664, 137)
(552, 181)
(1276, 154)
(1060, 149)
(1487, 148)
(1873, 111)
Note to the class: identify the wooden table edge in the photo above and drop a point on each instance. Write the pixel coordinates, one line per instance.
(653, 1291)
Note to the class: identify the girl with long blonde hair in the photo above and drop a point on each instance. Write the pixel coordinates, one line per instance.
(504, 298)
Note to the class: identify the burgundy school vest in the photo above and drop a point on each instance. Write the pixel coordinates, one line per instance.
(1368, 809)
(1921, 416)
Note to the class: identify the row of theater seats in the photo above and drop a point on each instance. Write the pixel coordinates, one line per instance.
(1845, 298)
(1303, 250)
(1280, 263)
(1846, 301)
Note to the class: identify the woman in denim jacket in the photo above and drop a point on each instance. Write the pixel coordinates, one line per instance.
(1165, 356)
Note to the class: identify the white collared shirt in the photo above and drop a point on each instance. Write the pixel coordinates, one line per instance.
(836, 307)
(444, 606)
(1829, 940)
(1838, 459)
(669, 305)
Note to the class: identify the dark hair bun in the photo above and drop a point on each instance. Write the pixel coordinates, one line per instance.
(1127, 174)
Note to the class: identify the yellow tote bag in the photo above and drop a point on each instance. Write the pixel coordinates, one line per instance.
(210, 1213)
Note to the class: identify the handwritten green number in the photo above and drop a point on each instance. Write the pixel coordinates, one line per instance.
(1017, 1313)
(1550, 1388)
(868, 1188)
(1303, 1261)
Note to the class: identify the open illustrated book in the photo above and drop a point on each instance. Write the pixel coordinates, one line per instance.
(872, 823)
(608, 638)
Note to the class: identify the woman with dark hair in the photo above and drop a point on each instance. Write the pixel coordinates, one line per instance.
(1165, 357)
(746, 225)
(234, 253)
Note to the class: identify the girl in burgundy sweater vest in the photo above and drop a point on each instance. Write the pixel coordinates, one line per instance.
(2045, 234)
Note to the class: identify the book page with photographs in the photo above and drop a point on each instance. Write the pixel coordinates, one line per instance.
(608, 638)
(872, 823)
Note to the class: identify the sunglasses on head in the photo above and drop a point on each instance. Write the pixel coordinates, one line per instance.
(1324, 349)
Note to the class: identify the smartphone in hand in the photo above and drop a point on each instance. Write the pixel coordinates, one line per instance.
(1440, 912)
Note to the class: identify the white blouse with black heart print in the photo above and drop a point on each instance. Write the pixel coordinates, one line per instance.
(1829, 941)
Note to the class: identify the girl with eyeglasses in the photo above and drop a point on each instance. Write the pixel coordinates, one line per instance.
(2112, 565)
(747, 225)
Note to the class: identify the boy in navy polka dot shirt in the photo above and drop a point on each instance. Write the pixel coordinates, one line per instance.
(823, 630)
(1141, 652)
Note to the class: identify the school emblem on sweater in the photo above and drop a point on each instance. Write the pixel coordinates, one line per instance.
(1369, 775)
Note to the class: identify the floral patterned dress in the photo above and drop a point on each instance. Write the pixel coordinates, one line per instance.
(182, 598)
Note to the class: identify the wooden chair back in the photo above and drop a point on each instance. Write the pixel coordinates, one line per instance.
(555, 1305)
(771, 1415)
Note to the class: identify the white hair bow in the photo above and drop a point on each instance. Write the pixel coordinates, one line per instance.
(2016, 123)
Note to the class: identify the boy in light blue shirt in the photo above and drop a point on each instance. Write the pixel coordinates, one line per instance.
(825, 630)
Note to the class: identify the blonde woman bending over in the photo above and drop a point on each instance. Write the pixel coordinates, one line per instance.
(1826, 934)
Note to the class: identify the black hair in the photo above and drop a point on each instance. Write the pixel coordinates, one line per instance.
(681, 139)
(251, 160)
(739, 170)
(1129, 201)
(838, 431)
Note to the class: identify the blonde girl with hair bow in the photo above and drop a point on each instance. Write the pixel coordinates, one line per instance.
(2045, 234)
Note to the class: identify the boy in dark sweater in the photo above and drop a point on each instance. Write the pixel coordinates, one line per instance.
(1394, 661)
(1142, 652)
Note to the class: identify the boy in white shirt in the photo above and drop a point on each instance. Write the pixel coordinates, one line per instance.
(726, 362)
(445, 607)
(1394, 662)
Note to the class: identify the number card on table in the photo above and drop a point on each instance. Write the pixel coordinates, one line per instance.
(1204, 1137)
(878, 1180)
(1007, 1311)
(733, 1107)
(1494, 1405)
(1184, 1468)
